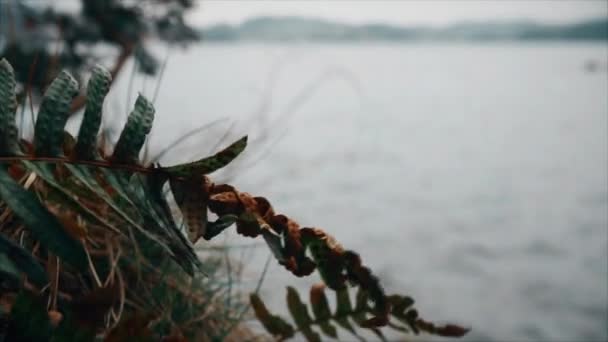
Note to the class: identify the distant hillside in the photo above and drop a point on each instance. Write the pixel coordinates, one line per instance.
(310, 29)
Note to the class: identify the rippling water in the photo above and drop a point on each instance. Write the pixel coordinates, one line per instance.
(473, 177)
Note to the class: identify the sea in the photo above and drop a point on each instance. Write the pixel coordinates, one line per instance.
(470, 176)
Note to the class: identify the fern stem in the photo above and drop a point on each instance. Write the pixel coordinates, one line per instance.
(97, 163)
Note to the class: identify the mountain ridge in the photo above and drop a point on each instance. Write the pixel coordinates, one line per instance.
(294, 28)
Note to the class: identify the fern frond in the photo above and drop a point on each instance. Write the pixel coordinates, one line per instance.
(209, 164)
(53, 115)
(134, 133)
(97, 89)
(344, 314)
(323, 317)
(337, 266)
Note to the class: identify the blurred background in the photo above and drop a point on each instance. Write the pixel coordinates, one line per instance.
(460, 146)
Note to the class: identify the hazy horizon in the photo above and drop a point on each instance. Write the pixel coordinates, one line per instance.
(401, 13)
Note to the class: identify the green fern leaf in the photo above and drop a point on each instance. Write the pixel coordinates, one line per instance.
(158, 216)
(118, 183)
(209, 164)
(97, 89)
(219, 225)
(344, 309)
(275, 245)
(53, 115)
(361, 308)
(8, 107)
(134, 134)
(275, 325)
(300, 315)
(44, 226)
(320, 308)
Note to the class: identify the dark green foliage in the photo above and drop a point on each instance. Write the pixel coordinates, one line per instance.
(15, 259)
(69, 206)
(43, 225)
(29, 321)
(70, 330)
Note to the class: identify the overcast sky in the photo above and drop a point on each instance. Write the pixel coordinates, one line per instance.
(404, 12)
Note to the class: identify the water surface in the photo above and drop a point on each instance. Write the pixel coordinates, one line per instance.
(472, 177)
